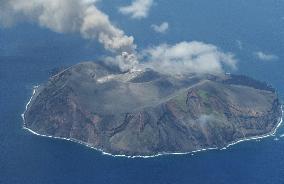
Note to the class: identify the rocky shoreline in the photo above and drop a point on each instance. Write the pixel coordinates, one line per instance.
(146, 114)
(151, 156)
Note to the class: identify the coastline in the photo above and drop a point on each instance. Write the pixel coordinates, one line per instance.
(272, 133)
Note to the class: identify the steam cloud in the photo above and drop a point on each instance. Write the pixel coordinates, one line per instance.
(125, 61)
(65, 16)
(82, 16)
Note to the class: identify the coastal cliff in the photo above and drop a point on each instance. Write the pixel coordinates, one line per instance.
(146, 113)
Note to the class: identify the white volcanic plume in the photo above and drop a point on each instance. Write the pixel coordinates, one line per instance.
(125, 61)
(82, 16)
(64, 16)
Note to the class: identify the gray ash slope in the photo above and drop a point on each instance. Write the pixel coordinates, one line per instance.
(147, 113)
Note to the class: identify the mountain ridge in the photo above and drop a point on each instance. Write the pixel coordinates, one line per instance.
(146, 113)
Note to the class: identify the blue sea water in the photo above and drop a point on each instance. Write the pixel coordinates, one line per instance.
(28, 53)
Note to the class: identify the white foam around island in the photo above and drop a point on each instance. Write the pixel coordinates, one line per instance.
(272, 133)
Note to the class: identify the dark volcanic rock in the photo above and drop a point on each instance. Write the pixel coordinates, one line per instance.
(146, 113)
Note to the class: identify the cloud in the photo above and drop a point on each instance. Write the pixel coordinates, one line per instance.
(161, 28)
(239, 44)
(82, 16)
(125, 61)
(265, 57)
(65, 16)
(138, 9)
(188, 57)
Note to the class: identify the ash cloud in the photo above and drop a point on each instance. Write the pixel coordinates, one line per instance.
(83, 17)
(65, 16)
(125, 61)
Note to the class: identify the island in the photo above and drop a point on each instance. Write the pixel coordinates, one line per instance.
(147, 113)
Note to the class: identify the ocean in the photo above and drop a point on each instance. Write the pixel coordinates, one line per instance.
(28, 54)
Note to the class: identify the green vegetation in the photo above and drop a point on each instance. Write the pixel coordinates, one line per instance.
(208, 109)
(203, 94)
(180, 101)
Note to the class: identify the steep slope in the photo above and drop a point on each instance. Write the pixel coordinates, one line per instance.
(146, 113)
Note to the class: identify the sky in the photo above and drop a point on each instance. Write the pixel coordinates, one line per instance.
(85, 18)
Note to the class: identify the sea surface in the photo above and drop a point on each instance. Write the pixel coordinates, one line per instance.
(28, 54)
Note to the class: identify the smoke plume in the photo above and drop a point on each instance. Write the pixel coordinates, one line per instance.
(82, 16)
(65, 16)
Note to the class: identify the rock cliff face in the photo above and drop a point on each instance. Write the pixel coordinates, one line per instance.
(146, 113)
